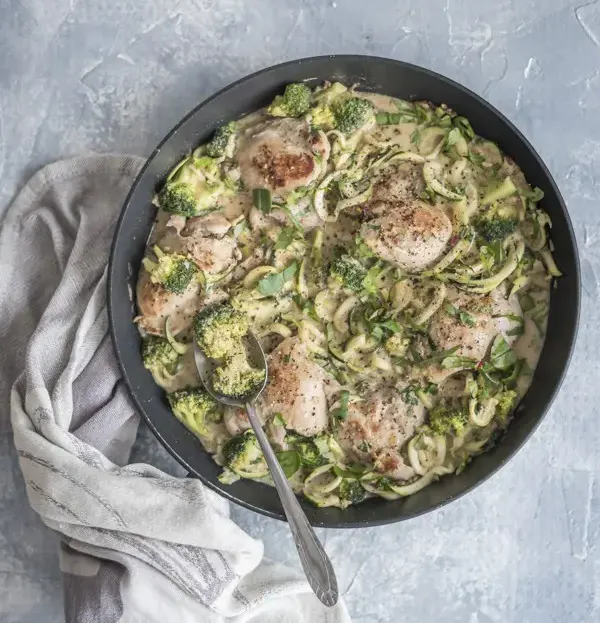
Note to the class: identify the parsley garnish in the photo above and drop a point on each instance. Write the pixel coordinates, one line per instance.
(285, 238)
(341, 413)
(462, 316)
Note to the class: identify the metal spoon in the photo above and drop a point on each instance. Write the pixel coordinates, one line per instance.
(315, 562)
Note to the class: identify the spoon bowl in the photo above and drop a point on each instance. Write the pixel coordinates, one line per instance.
(256, 357)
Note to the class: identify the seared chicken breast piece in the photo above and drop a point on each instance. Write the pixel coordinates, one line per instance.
(156, 304)
(375, 430)
(203, 239)
(279, 155)
(297, 389)
(488, 316)
(412, 235)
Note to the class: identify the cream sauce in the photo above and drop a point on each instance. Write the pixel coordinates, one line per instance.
(396, 186)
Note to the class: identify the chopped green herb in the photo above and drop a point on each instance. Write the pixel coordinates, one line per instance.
(354, 471)
(464, 126)
(415, 137)
(453, 137)
(454, 361)
(409, 394)
(261, 198)
(462, 316)
(285, 238)
(519, 328)
(502, 356)
(273, 283)
(435, 358)
(341, 413)
(475, 158)
(289, 461)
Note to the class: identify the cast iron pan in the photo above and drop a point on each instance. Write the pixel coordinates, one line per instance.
(374, 74)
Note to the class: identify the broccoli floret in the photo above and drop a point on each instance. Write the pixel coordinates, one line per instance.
(396, 345)
(444, 419)
(352, 114)
(178, 198)
(243, 455)
(235, 377)
(322, 117)
(327, 95)
(173, 271)
(194, 407)
(351, 492)
(158, 352)
(307, 449)
(160, 358)
(223, 141)
(219, 329)
(506, 402)
(294, 102)
(495, 228)
(195, 185)
(348, 271)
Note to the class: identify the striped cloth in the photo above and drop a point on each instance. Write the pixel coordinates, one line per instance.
(138, 546)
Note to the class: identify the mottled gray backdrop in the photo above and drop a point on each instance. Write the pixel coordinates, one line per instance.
(103, 75)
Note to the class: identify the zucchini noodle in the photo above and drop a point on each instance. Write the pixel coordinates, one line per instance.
(399, 285)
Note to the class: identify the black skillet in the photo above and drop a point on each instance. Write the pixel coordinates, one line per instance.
(248, 94)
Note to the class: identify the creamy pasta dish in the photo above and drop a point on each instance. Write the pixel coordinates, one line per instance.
(395, 266)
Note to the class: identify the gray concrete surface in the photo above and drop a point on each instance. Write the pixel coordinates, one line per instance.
(98, 75)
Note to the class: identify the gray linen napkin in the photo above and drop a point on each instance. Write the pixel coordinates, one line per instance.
(138, 546)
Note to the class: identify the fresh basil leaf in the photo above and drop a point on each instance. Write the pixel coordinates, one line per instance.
(435, 358)
(341, 413)
(289, 461)
(273, 283)
(502, 356)
(519, 328)
(377, 332)
(453, 137)
(462, 316)
(290, 271)
(285, 238)
(261, 198)
(353, 471)
(390, 325)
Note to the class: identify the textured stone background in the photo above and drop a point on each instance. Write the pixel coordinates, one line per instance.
(99, 75)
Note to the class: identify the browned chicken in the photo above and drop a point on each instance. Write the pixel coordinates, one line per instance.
(411, 235)
(279, 155)
(297, 388)
(375, 430)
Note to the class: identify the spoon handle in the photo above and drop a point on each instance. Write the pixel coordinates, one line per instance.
(315, 562)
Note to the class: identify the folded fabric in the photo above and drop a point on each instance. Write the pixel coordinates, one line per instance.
(137, 544)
